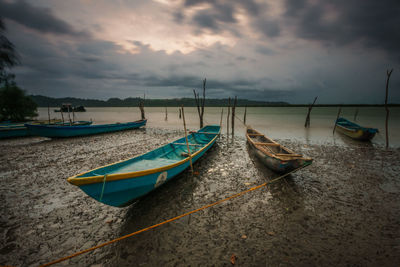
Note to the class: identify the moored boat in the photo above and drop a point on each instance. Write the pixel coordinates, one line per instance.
(80, 130)
(18, 129)
(274, 155)
(121, 183)
(354, 130)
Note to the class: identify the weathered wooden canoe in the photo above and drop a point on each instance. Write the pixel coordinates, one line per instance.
(80, 130)
(354, 130)
(119, 184)
(275, 156)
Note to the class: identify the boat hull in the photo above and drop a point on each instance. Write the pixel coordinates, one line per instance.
(124, 188)
(278, 165)
(13, 132)
(54, 131)
(122, 193)
(362, 135)
(354, 130)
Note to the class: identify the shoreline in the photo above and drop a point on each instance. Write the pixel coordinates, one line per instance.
(343, 209)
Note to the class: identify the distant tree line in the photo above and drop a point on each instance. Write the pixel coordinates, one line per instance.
(44, 101)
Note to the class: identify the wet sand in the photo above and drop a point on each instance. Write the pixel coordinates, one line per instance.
(344, 209)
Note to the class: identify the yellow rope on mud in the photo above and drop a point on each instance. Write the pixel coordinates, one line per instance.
(172, 219)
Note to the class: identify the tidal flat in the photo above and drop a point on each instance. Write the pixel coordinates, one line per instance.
(344, 209)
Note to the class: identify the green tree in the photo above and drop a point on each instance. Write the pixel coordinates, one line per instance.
(14, 104)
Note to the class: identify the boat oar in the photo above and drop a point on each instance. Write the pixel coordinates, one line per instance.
(338, 114)
(187, 142)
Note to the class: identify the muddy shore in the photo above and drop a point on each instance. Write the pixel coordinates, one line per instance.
(342, 210)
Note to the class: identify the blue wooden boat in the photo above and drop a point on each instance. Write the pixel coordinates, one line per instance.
(121, 183)
(18, 129)
(80, 130)
(354, 130)
(274, 155)
(12, 130)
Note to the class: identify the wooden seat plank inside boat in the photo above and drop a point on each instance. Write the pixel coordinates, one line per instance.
(266, 144)
(288, 155)
(184, 144)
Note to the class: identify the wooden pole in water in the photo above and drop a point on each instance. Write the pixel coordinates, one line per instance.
(62, 116)
(187, 142)
(337, 117)
(166, 114)
(180, 114)
(244, 116)
(355, 114)
(48, 112)
(69, 116)
(227, 118)
(388, 73)
(307, 123)
(73, 115)
(222, 114)
(141, 107)
(233, 116)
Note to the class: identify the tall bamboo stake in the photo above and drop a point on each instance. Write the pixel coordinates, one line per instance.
(187, 142)
(69, 117)
(388, 73)
(233, 116)
(227, 118)
(62, 116)
(141, 107)
(48, 112)
(244, 116)
(355, 114)
(222, 114)
(337, 117)
(307, 123)
(166, 114)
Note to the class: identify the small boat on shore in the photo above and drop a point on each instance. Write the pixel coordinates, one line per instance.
(121, 183)
(67, 130)
(354, 130)
(273, 155)
(69, 108)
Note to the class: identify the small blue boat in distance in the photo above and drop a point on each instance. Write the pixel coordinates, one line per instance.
(54, 131)
(354, 130)
(121, 183)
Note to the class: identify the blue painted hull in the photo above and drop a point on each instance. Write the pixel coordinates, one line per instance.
(122, 183)
(80, 130)
(10, 132)
(18, 129)
(354, 130)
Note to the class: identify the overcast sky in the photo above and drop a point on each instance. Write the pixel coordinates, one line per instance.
(289, 50)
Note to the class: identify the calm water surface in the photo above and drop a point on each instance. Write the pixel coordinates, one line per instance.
(276, 122)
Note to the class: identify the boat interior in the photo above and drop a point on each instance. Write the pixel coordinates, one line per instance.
(163, 156)
(267, 145)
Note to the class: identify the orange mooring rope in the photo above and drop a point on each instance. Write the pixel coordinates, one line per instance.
(170, 220)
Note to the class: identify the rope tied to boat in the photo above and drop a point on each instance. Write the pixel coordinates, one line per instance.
(173, 219)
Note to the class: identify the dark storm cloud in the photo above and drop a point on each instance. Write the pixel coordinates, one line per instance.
(373, 23)
(198, 2)
(268, 27)
(251, 7)
(215, 16)
(36, 18)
